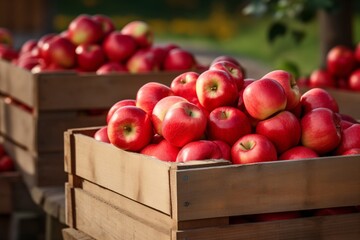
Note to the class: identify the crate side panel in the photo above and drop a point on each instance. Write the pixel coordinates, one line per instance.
(102, 221)
(17, 82)
(133, 175)
(268, 187)
(87, 91)
(18, 125)
(313, 228)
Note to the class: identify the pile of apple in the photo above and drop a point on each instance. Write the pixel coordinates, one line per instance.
(217, 114)
(91, 43)
(6, 162)
(342, 70)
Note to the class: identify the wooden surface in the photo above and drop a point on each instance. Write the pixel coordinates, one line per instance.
(73, 234)
(7, 179)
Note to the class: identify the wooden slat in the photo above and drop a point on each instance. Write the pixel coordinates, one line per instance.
(101, 221)
(345, 227)
(134, 175)
(73, 234)
(266, 187)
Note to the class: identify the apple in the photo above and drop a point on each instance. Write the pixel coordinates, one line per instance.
(90, 57)
(141, 32)
(130, 128)
(84, 29)
(224, 148)
(225, 58)
(288, 82)
(184, 122)
(216, 88)
(119, 47)
(253, 148)
(321, 130)
(283, 130)
(6, 163)
(234, 70)
(303, 81)
(28, 46)
(264, 217)
(354, 80)
(348, 118)
(6, 37)
(150, 93)
(351, 151)
(199, 150)
(340, 61)
(159, 53)
(106, 23)
(316, 98)
(321, 78)
(179, 59)
(345, 124)
(298, 152)
(240, 104)
(263, 98)
(60, 52)
(342, 83)
(350, 139)
(2, 150)
(111, 67)
(184, 85)
(8, 53)
(142, 61)
(41, 43)
(28, 62)
(160, 109)
(118, 104)
(102, 135)
(227, 124)
(162, 150)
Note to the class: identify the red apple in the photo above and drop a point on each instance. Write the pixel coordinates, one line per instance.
(61, 52)
(184, 85)
(102, 135)
(288, 82)
(121, 103)
(119, 47)
(316, 98)
(303, 81)
(240, 104)
(224, 148)
(321, 78)
(141, 32)
(199, 150)
(184, 122)
(130, 128)
(150, 93)
(345, 124)
(84, 29)
(8, 53)
(42, 50)
(28, 46)
(225, 58)
(321, 130)
(352, 151)
(6, 37)
(340, 61)
(179, 59)
(6, 164)
(348, 118)
(227, 124)
(90, 57)
(2, 150)
(263, 98)
(142, 61)
(232, 69)
(253, 148)
(27, 61)
(159, 53)
(298, 152)
(283, 130)
(350, 139)
(162, 150)
(216, 88)
(160, 109)
(111, 67)
(106, 23)
(354, 80)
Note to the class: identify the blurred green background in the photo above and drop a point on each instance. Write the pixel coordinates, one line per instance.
(208, 25)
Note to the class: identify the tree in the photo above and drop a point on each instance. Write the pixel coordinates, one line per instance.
(335, 20)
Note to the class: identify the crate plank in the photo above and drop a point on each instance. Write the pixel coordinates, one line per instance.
(73, 234)
(265, 187)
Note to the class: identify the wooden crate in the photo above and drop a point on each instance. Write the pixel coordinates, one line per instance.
(347, 100)
(55, 102)
(7, 181)
(115, 194)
